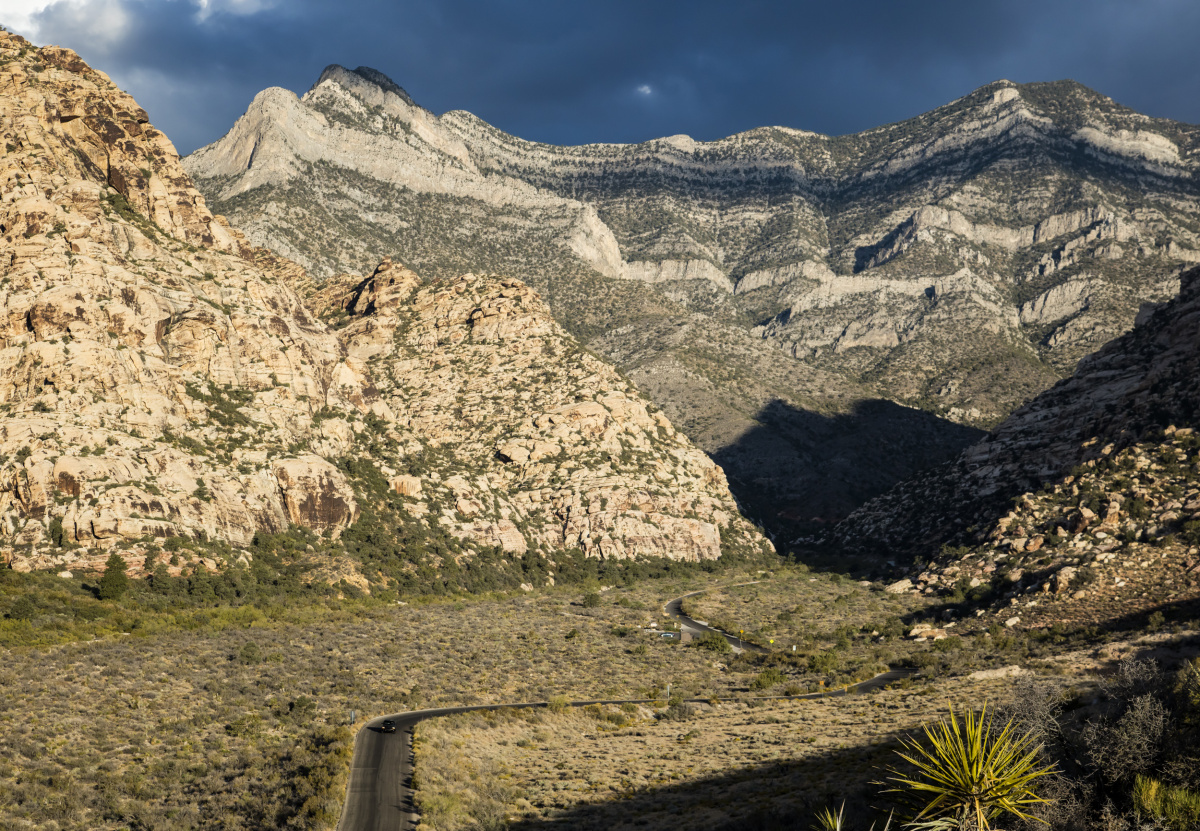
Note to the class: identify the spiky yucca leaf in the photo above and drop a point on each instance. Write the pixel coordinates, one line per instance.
(969, 771)
(827, 820)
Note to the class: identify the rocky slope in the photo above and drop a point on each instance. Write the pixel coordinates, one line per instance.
(959, 262)
(160, 377)
(1114, 539)
(512, 436)
(1130, 399)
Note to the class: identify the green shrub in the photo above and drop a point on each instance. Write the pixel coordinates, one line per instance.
(114, 582)
(249, 653)
(768, 678)
(824, 662)
(23, 609)
(678, 711)
(56, 533)
(712, 642)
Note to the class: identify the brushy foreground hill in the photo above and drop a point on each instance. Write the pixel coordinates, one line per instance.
(162, 381)
(1083, 506)
(773, 290)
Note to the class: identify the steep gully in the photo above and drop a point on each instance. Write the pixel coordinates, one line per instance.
(379, 796)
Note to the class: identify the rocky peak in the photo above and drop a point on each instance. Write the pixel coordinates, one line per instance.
(353, 80)
(161, 377)
(958, 262)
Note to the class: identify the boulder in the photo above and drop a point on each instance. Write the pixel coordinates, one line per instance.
(315, 494)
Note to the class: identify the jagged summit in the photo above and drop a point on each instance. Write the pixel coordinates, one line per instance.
(774, 283)
(341, 74)
(220, 406)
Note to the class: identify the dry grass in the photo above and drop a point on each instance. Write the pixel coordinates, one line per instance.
(238, 720)
(793, 606)
(734, 764)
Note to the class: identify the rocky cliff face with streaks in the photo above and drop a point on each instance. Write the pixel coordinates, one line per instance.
(1137, 393)
(772, 285)
(160, 376)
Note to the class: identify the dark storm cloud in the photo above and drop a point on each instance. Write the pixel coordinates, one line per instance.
(628, 71)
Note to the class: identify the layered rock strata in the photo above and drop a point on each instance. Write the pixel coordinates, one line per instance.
(161, 377)
(959, 262)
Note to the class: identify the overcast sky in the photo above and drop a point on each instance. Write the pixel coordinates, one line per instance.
(627, 70)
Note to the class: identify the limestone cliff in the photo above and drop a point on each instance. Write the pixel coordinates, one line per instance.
(161, 377)
(959, 262)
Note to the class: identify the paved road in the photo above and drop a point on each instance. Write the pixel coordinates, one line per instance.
(674, 609)
(379, 796)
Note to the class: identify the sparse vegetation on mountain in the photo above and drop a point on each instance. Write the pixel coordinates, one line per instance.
(774, 289)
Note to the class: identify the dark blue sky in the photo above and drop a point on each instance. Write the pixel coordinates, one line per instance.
(569, 73)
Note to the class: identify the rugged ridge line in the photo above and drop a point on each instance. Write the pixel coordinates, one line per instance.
(162, 377)
(959, 262)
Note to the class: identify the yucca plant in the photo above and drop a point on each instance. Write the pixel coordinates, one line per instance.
(827, 820)
(970, 773)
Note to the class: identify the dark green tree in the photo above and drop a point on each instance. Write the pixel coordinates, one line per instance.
(115, 581)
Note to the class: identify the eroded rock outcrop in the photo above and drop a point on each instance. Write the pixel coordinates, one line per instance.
(155, 367)
(545, 445)
(161, 377)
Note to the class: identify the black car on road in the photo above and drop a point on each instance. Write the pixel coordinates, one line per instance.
(388, 726)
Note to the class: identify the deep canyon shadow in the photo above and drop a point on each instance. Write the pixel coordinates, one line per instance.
(801, 471)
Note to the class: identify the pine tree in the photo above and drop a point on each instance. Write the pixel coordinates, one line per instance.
(115, 581)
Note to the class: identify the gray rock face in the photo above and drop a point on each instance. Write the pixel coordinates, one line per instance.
(1136, 389)
(959, 262)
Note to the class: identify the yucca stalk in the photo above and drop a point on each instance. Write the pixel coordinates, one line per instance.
(970, 772)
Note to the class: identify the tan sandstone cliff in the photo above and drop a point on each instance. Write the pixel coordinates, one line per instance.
(535, 431)
(159, 376)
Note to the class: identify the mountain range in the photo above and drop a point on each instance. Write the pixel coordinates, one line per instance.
(162, 379)
(779, 294)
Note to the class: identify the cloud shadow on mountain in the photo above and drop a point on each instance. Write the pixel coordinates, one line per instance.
(799, 471)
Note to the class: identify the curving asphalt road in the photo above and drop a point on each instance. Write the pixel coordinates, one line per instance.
(674, 610)
(379, 796)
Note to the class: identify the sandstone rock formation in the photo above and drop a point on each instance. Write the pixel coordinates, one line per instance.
(521, 437)
(156, 368)
(162, 377)
(959, 262)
